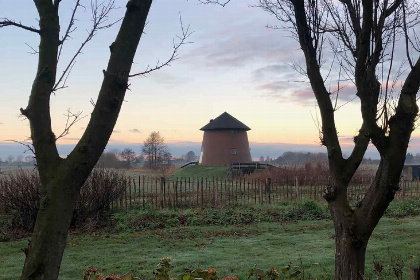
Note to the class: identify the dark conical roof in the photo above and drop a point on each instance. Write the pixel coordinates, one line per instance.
(225, 122)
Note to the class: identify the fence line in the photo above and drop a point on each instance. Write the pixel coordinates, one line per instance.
(215, 192)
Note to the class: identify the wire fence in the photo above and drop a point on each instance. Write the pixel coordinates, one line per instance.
(214, 192)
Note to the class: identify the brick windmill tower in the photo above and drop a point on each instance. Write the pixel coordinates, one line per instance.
(225, 141)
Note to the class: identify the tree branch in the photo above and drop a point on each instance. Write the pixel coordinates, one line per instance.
(38, 108)
(72, 119)
(216, 2)
(113, 89)
(330, 139)
(28, 145)
(70, 28)
(7, 22)
(100, 14)
(174, 56)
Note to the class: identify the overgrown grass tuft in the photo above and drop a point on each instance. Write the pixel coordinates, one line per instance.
(287, 211)
(150, 218)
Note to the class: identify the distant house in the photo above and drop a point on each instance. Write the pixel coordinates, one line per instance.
(411, 172)
(225, 141)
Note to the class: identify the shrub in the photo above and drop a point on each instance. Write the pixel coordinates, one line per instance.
(242, 215)
(97, 194)
(20, 197)
(403, 208)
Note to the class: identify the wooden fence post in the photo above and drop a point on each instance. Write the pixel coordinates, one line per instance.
(162, 191)
(197, 191)
(216, 193)
(403, 189)
(135, 190)
(130, 191)
(255, 190)
(190, 200)
(140, 181)
(267, 190)
(297, 187)
(202, 191)
(156, 191)
(176, 193)
(125, 196)
(260, 190)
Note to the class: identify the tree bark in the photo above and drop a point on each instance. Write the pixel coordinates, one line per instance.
(349, 255)
(49, 238)
(354, 226)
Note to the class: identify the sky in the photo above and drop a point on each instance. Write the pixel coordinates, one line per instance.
(234, 63)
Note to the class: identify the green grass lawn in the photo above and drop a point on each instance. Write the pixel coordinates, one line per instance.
(198, 171)
(232, 250)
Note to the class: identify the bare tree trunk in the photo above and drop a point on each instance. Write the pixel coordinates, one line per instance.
(350, 244)
(349, 255)
(354, 226)
(61, 179)
(49, 238)
(351, 237)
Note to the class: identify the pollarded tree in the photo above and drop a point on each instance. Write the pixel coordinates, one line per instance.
(61, 179)
(364, 39)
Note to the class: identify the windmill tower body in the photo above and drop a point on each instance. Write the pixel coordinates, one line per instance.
(225, 141)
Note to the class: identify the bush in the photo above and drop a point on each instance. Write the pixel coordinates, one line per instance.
(404, 208)
(20, 197)
(307, 210)
(97, 194)
(241, 215)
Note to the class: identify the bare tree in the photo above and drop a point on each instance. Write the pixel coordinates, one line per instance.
(156, 151)
(128, 156)
(61, 179)
(10, 159)
(360, 39)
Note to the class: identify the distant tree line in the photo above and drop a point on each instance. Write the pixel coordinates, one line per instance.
(412, 159)
(17, 161)
(154, 154)
(300, 158)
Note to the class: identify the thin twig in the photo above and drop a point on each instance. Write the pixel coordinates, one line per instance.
(216, 2)
(25, 143)
(174, 56)
(100, 14)
(71, 120)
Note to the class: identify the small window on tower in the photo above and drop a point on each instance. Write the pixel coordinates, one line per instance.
(233, 151)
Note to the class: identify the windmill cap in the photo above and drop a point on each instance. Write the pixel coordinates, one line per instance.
(225, 122)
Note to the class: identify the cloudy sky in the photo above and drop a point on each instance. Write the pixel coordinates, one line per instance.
(234, 64)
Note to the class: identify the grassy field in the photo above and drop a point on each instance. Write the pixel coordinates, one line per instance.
(232, 250)
(198, 171)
